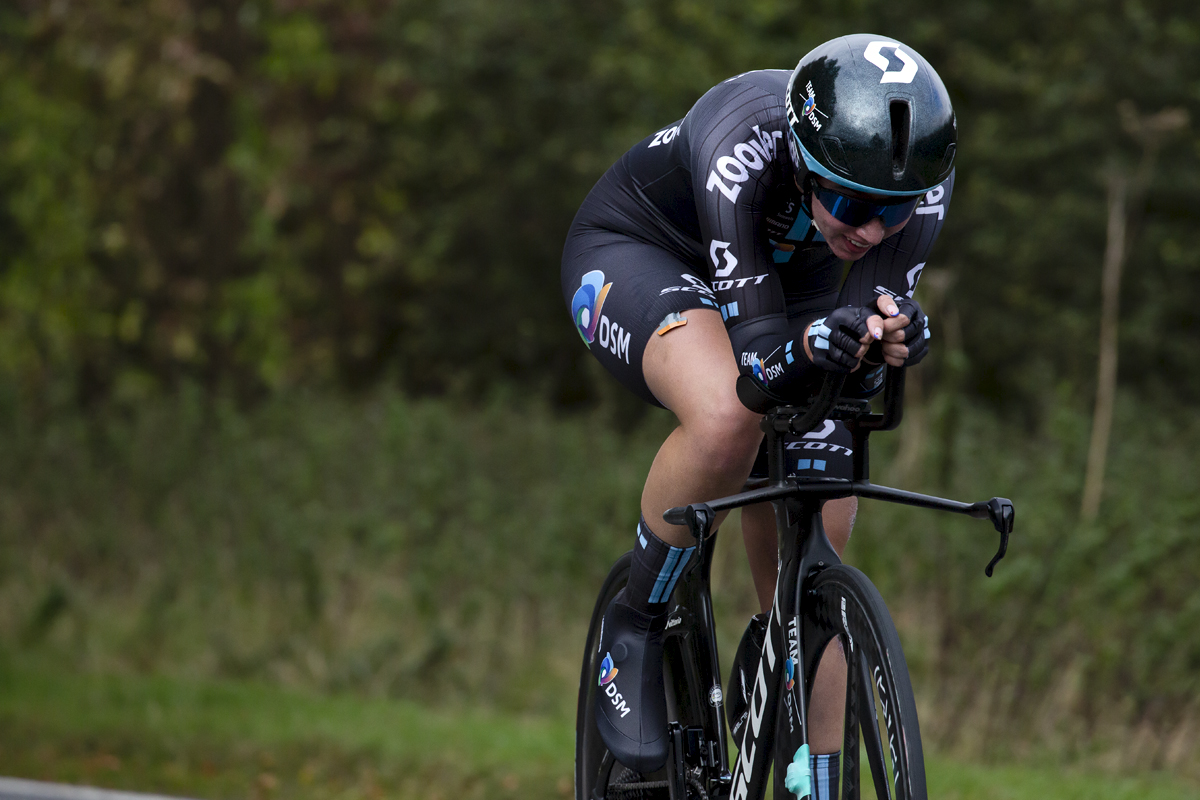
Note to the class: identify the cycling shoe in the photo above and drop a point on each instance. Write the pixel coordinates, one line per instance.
(740, 675)
(631, 707)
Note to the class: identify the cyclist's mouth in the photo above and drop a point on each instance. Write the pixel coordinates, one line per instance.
(856, 247)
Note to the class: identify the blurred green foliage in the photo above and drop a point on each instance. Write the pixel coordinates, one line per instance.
(413, 549)
(263, 194)
(216, 215)
(391, 547)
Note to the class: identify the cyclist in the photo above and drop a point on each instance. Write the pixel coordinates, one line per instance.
(716, 247)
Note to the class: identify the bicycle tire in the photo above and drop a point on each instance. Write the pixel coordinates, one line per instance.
(597, 775)
(881, 712)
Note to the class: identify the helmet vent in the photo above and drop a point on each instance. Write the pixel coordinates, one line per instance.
(947, 160)
(901, 114)
(831, 146)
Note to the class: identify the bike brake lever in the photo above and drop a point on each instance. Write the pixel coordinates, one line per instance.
(1001, 513)
(698, 517)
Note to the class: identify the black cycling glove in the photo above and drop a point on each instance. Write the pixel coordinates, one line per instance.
(834, 340)
(916, 333)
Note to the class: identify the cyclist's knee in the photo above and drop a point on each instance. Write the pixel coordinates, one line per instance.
(725, 433)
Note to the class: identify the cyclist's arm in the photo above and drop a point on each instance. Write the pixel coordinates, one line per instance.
(894, 268)
(734, 161)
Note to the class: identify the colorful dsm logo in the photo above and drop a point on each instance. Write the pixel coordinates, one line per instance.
(789, 669)
(607, 670)
(587, 302)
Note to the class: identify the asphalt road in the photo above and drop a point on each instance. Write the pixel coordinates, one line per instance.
(16, 789)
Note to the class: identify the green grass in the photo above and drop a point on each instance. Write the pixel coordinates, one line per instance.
(950, 780)
(214, 739)
(237, 739)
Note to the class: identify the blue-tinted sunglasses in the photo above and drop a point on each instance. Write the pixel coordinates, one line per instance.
(855, 211)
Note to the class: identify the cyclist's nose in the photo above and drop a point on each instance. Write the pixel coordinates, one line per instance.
(870, 232)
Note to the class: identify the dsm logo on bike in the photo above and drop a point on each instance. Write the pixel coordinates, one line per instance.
(586, 308)
(607, 670)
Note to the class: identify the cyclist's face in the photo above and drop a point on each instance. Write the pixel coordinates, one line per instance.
(849, 242)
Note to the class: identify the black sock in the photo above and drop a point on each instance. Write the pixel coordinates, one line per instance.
(656, 566)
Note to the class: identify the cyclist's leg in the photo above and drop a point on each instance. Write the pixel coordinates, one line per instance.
(692, 372)
(707, 455)
(826, 709)
(633, 304)
(762, 545)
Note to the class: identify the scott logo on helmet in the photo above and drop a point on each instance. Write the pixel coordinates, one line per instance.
(874, 54)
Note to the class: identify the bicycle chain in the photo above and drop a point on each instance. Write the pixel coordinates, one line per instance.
(623, 789)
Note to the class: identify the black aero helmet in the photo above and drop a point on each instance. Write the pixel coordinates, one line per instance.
(869, 113)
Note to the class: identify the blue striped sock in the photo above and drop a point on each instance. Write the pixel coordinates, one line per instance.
(826, 770)
(655, 569)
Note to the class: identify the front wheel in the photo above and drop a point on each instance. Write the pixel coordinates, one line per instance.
(881, 736)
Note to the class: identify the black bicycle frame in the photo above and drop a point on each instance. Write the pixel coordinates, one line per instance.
(803, 548)
(702, 677)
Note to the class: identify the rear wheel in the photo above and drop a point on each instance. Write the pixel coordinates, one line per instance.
(881, 754)
(597, 775)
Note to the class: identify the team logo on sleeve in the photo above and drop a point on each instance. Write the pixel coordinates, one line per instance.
(587, 303)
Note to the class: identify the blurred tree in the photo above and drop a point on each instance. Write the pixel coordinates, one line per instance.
(1124, 200)
(271, 192)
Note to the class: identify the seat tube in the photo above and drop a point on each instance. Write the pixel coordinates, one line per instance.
(700, 600)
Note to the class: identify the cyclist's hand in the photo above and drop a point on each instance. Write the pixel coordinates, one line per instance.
(906, 336)
(891, 347)
(838, 342)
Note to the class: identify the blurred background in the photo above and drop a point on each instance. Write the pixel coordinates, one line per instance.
(307, 485)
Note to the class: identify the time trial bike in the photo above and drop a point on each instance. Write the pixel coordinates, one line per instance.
(817, 600)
